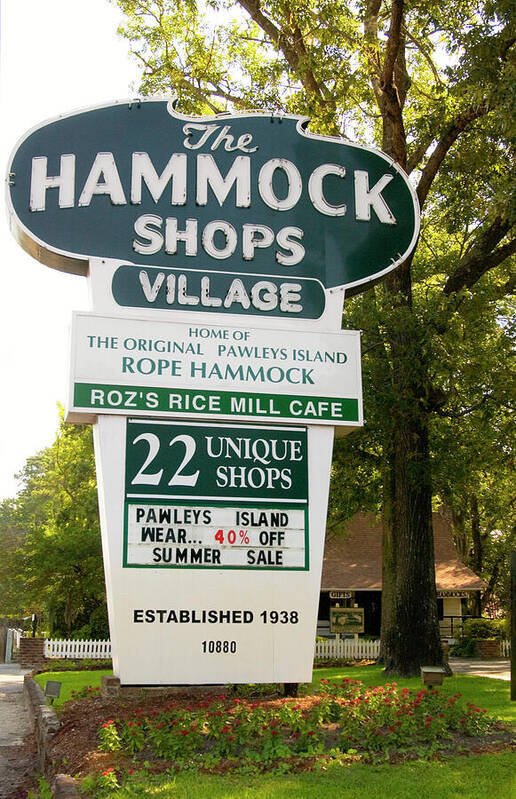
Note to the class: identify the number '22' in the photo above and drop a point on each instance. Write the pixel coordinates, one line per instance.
(179, 478)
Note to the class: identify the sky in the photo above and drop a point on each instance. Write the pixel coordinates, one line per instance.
(55, 56)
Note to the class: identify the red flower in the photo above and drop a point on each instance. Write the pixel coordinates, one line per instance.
(310, 732)
(184, 732)
(130, 770)
(275, 732)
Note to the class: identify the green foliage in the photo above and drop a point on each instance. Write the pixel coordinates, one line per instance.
(483, 628)
(54, 562)
(44, 790)
(84, 664)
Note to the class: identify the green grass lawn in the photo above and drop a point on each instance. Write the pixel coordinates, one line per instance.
(475, 777)
(70, 681)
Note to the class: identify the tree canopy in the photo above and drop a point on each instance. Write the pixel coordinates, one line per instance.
(52, 562)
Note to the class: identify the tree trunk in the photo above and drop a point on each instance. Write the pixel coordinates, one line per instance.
(388, 570)
(411, 635)
(477, 554)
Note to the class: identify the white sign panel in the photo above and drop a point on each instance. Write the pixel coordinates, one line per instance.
(211, 536)
(212, 575)
(147, 367)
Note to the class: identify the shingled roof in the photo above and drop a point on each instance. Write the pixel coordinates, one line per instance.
(353, 559)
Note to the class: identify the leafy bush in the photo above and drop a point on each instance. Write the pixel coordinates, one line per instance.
(464, 649)
(483, 628)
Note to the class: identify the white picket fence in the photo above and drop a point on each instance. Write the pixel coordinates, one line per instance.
(506, 649)
(77, 649)
(12, 643)
(347, 648)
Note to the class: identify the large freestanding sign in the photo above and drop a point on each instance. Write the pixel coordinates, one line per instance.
(212, 364)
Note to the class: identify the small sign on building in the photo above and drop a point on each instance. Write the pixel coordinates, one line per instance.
(347, 620)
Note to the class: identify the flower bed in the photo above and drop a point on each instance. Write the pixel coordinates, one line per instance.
(345, 720)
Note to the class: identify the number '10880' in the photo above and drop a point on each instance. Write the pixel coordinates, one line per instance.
(219, 647)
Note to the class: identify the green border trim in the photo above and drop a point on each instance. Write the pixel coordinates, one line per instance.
(127, 565)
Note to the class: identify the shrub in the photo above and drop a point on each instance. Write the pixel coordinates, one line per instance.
(483, 628)
(82, 664)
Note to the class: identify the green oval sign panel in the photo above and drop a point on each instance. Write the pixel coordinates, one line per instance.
(253, 196)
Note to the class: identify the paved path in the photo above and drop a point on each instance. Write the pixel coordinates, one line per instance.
(17, 747)
(499, 669)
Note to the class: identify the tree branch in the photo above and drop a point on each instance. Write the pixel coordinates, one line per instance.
(293, 53)
(393, 43)
(442, 148)
(482, 256)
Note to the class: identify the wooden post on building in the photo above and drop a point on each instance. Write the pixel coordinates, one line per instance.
(513, 626)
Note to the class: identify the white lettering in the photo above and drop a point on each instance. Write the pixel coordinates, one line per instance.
(142, 227)
(265, 184)
(40, 182)
(316, 192)
(143, 170)
(366, 197)
(103, 167)
(239, 173)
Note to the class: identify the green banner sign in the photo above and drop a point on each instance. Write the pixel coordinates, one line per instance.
(252, 196)
(103, 398)
(179, 459)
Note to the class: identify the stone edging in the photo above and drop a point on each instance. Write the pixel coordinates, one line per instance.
(45, 724)
(63, 787)
(43, 718)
